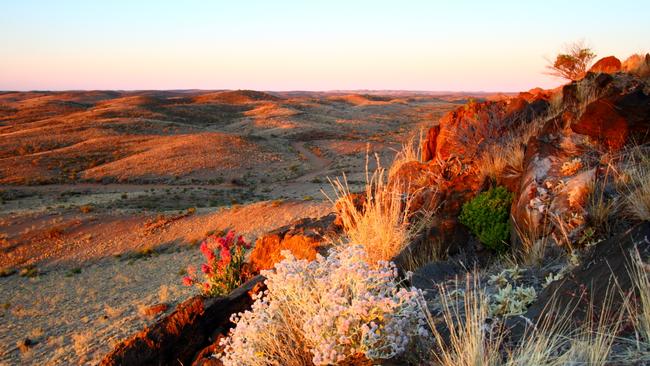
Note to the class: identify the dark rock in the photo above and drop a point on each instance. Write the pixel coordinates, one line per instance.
(178, 337)
(427, 276)
(586, 287)
(25, 344)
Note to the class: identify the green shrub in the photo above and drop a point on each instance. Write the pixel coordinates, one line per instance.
(487, 217)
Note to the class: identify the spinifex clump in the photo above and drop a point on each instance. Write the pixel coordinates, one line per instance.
(224, 267)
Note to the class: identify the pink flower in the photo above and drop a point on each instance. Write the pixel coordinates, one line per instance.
(230, 237)
(207, 252)
(221, 242)
(188, 281)
(225, 256)
(242, 242)
(205, 268)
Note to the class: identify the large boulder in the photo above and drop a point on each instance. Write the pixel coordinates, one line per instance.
(607, 65)
(612, 120)
(178, 337)
(304, 239)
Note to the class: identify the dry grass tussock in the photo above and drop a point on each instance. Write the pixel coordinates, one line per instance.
(504, 158)
(533, 242)
(640, 274)
(411, 151)
(475, 340)
(385, 224)
(637, 190)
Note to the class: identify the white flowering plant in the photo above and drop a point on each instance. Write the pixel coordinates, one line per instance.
(326, 311)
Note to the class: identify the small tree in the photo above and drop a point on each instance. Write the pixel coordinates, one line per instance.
(573, 64)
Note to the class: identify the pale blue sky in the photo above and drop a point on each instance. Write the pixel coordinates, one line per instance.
(288, 45)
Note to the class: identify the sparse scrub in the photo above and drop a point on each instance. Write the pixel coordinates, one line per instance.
(224, 268)
(573, 63)
(385, 224)
(487, 217)
(326, 311)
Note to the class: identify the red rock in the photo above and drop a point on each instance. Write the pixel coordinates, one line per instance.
(607, 65)
(429, 146)
(155, 309)
(611, 120)
(178, 337)
(304, 239)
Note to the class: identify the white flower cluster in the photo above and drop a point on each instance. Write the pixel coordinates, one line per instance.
(334, 307)
(510, 300)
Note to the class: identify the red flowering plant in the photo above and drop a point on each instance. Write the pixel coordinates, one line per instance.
(224, 269)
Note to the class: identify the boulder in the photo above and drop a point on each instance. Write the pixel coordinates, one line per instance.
(178, 337)
(304, 239)
(612, 120)
(607, 65)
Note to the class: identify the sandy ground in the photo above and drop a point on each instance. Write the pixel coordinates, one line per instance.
(75, 318)
(104, 195)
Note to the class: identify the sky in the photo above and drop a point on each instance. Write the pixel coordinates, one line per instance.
(305, 45)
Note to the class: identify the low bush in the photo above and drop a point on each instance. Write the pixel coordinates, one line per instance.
(325, 312)
(224, 268)
(487, 217)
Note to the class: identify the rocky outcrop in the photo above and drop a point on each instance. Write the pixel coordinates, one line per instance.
(178, 337)
(464, 131)
(304, 238)
(607, 65)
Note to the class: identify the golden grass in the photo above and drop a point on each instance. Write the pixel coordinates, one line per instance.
(411, 151)
(502, 161)
(505, 157)
(385, 225)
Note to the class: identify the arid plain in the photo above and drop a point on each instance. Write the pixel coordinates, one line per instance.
(104, 195)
